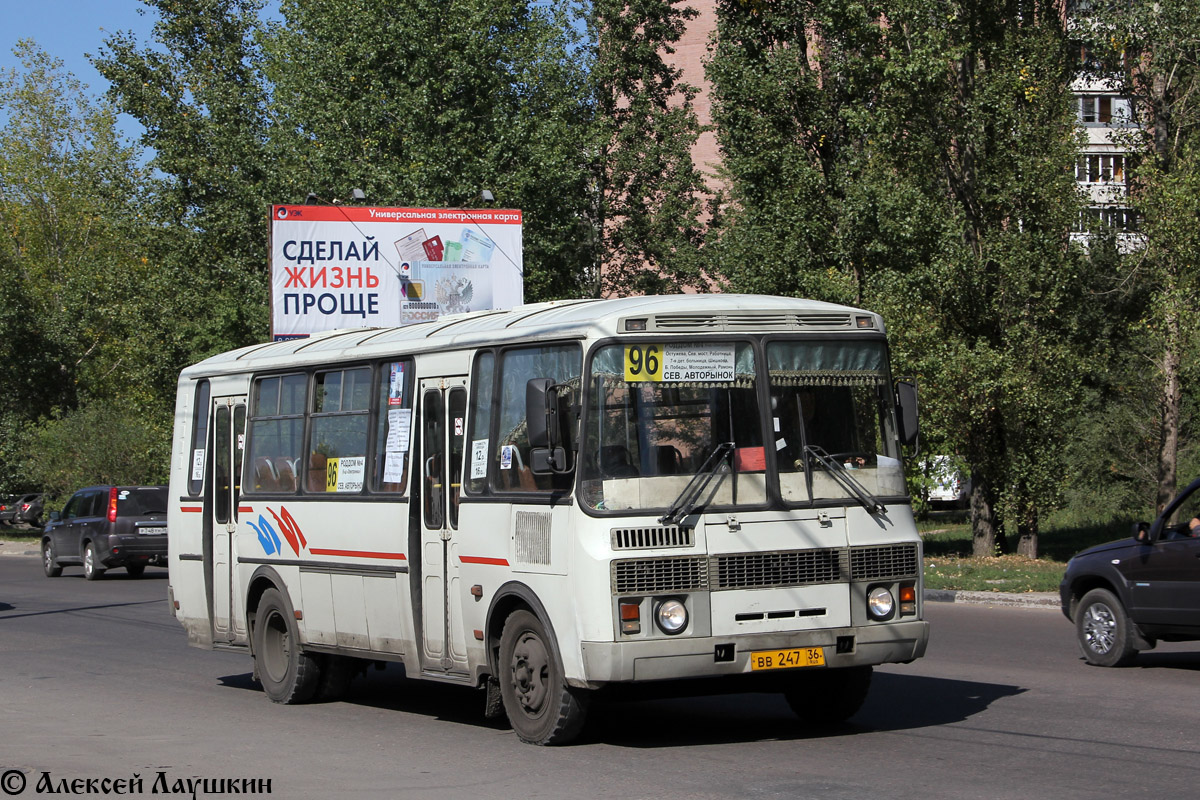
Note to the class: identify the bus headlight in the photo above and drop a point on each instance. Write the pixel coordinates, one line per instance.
(880, 603)
(671, 616)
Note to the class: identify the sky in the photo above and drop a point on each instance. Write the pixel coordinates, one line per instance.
(69, 29)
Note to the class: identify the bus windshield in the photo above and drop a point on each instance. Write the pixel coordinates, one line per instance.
(655, 413)
(652, 422)
(832, 412)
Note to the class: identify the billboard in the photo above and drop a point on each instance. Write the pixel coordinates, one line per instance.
(351, 266)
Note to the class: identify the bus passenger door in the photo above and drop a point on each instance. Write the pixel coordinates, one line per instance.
(443, 434)
(229, 436)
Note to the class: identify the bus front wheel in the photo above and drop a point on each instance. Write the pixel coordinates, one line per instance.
(541, 707)
(288, 674)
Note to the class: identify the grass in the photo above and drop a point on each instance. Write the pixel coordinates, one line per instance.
(949, 563)
(11, 534)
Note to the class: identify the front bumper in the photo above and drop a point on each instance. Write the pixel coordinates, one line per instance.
(665, 659)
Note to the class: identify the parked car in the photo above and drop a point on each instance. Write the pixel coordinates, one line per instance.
(8, 509)
(1128, 595)
(29, 511)
(102, 527)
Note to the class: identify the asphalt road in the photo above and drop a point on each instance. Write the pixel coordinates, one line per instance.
(96, 682)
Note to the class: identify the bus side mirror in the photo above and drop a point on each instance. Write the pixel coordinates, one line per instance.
(542, 416)
(541, 413)
(906, 400)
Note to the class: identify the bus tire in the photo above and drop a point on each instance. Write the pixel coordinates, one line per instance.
(829, 696)
(288, 674)
(335, 677)
(541, 707)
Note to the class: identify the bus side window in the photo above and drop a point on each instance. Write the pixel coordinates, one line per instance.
(276, 432)
(393, 426)
(479, 439)
(562, 364)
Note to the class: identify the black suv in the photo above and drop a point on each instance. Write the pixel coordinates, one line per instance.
(108, 526)
(1126, 596)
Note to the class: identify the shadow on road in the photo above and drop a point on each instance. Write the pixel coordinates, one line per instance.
(896, 703)
(72, 609)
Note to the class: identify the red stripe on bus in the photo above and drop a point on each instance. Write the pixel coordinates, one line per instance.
(191, 509)
(357, 554)
(498, 562)
(245, 509)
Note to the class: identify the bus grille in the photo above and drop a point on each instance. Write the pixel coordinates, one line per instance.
(785, 568)
(882, 562)
(765, 570)
(651, 537)
(657, 575)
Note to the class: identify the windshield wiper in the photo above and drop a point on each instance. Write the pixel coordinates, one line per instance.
(689, 499)
(842, 477)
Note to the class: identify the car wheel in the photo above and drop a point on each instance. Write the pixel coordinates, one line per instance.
(288, 674)
(540, 705)
(1105, 631)
(49, 566)
(91, 563)
(135, 570)
(828, 696)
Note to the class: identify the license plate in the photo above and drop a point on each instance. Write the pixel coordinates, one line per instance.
(159, 531)
(787, 659)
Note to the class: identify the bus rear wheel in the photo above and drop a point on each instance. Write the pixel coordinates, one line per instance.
(541, 707)
(828, 696)
(288, 674)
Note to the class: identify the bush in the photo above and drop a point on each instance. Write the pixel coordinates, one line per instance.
(102, 442)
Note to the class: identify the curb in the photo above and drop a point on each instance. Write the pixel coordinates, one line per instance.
(18, 549)
(1024, 599)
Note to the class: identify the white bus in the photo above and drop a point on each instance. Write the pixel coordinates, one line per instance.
(700, 492)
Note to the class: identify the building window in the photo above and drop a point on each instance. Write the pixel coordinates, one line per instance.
(1123, 220)
(1100, 168)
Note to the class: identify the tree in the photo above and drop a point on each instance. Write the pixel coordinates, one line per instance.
(645, 192)
(915, 157)
(417, 111)
(201, 95)
(1150, 52)
(75, 301)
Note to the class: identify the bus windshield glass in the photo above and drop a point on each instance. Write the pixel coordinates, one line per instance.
(832, 412)
(656, 412)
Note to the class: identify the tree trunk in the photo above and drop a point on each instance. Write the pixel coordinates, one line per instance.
(1027, 544)
(1170, 404)
(987, 540)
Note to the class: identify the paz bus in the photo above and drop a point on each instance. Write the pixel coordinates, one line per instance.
(550, 503)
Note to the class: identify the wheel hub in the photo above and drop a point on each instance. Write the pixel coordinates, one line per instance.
(530, 670)
(1099, 628)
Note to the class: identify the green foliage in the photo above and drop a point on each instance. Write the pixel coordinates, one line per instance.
(78, 295)
(200, 93)
(102, 442)
(1150, 52)
(913, 157)
(428, 103)
(645, 193)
